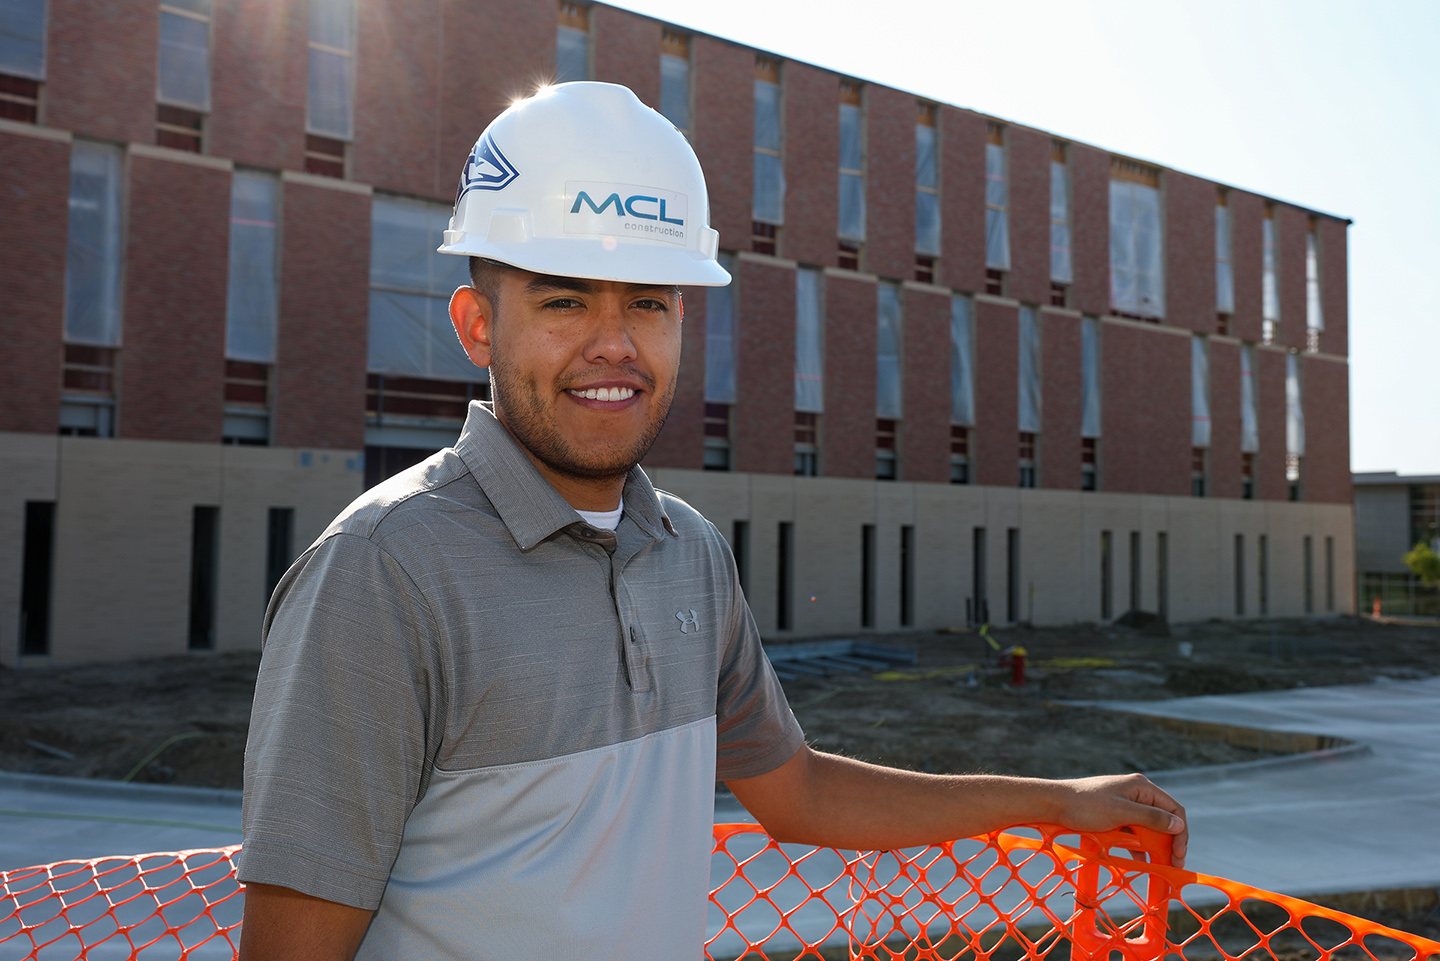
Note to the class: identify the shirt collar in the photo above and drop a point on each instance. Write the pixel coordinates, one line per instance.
(530, 508)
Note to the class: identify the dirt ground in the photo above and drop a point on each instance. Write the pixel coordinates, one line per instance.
(183, 720)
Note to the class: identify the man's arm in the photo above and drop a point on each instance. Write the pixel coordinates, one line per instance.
(285, 925)
(831, 801)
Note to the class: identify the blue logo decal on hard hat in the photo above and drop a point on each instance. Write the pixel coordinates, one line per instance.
(626, 210)
(485, 169)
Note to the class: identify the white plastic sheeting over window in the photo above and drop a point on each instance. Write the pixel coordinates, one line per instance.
(22, 38)
(962, 363)
(720, 340)
(1249, 422)
(997, 227)
(572, 55)
(1029, 371)
(251, 302)
(1271, 291)
(852, 176)
(927, 201)
(809, 349)
(1224, 275)
(410, 288)
(1314, 316)
(332, 68)
(887, 352)
(675, 90)
(1199, 393)
(184, 68)
(768, 201)
(1060, 271)
(1137, 271)
(1089, 377)
(1294, 408)
(92, 257)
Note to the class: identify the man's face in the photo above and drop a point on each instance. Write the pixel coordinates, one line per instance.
(582, 371)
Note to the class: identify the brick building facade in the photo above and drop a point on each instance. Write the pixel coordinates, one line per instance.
(1053, 383)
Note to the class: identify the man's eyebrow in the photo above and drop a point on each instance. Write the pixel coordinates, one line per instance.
(549, 283)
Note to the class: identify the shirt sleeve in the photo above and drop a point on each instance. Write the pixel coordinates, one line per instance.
(340, 731)
(756, 731)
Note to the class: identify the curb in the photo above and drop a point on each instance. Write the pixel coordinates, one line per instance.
(93, 788)
(1223, 772)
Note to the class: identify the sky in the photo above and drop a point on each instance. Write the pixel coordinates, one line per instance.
(1334, 106)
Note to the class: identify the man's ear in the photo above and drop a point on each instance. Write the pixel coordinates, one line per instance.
(472, 314)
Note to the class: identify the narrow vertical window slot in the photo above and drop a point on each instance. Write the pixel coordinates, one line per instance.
(867, 575)
(279, 546)
(1106, 558)
(36, 576)
(907, 575)
(784, 576)
(1012, 575)
(204, 576)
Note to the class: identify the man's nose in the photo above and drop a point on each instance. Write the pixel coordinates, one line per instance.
(609, 341)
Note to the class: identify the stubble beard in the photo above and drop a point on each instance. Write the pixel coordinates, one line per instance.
(520, 407)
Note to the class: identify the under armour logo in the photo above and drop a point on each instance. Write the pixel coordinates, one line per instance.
(689, 621)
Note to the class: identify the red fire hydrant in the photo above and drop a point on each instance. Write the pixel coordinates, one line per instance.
(1017, 666)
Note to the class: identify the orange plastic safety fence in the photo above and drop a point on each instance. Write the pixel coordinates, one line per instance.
(1026, 893)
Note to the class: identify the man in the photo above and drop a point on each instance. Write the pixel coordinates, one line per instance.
(497, 692)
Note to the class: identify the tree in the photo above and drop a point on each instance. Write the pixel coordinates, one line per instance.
(1425, 563)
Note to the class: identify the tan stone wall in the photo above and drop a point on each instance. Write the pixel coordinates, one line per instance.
(1059, 539)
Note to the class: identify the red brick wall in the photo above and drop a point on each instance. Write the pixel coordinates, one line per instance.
(1145, 410)
(1060, 390)
(1090, 228)
(1326, 397)
(1291, 226)
(1029, 204)
(812, 155)
(100, 69)
(1247, 259)
(848, 426)
(890, 183)
(626, 49)
(1334, 286)
(397, 90)
(994, 448)
(962, 199)
(925, 380)
(35, 182)
(259, 65)
(1189, 252)
(1225, 459)
(765, 368)
(177, 255)
(724, 86)
(1270, 483)
(321, 343)
(681, 442)
(478, 79)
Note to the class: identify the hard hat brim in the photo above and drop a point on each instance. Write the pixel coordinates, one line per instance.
(600, 259)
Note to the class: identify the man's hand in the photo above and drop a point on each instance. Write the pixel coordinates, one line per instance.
(832, 801)
(281, 924)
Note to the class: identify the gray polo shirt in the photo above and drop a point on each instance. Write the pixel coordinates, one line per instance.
(501, 727)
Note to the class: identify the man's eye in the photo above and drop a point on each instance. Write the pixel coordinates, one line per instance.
(564, 303)
(651, 304)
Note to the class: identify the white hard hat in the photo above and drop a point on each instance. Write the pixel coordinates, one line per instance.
(583, 180)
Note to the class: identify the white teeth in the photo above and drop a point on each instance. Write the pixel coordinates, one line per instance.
(605, 393)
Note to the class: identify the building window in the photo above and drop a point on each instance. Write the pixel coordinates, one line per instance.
(37, 577)
(279, 546)
(867, 575)
(1199, 413)
(907, 575)
(1330, 575)
(1249, 419)
(768, 196)
(809, 371)
(1308, 565)
(184, 73)
(978, 607)
(1162, 574)
(888, 390)
(1060, 269)
(1134, 570)
(1012, 574)
(1089, 463)
(1137, 270)
(851, 211)
(1107, 555)
(572, 43)
(740, 547)
(807, 444)
(251, 307)
(1239, 575)
(329, 113)
(1027, 459)
(1294, 425)
(1270, 300)
(997, 226)
(962, 388)
(1029, 384)
(675, 79)
(784, 575)
(204, 576)
(1314, 315)
(1247, 477)
(927, 193)
(1224, 273)
(1089, 404)
(719, 371)
(22, 60)
(1262, 569)
(92, 291)
(1197, 472)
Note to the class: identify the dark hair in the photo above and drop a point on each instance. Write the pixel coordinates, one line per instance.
(485, 277)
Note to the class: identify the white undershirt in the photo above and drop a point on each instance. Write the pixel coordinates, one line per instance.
(603, 520)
